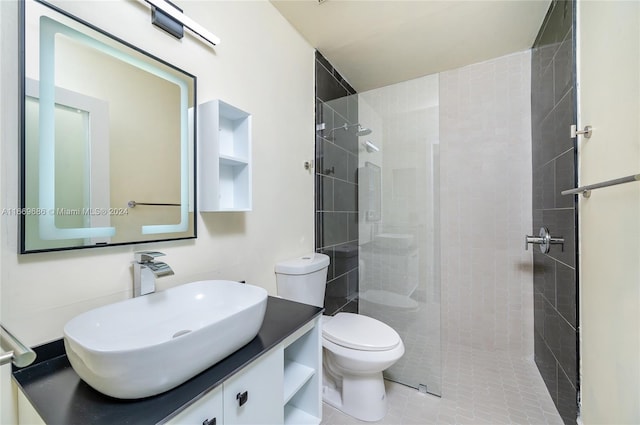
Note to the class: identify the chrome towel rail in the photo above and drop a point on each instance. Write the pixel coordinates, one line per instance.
(132, 204)
(20, 354)
(586, 190)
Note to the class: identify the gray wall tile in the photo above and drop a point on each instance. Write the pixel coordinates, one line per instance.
(324, 193)
(567, 399)
(563, 68)
(565, 178)
(553, 101)
(566, 293)
(336, 185)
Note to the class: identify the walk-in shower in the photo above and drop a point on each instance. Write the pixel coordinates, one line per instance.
(377, 213)
(453, 169)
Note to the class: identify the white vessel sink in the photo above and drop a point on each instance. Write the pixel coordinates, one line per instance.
(147, 345)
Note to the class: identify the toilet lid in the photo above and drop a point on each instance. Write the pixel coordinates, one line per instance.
(360, 332)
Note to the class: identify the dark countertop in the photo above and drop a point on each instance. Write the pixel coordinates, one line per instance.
(60, 397)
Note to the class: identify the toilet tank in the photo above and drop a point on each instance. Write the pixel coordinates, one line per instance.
(303, 279)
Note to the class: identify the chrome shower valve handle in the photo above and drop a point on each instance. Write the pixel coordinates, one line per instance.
(544, 239)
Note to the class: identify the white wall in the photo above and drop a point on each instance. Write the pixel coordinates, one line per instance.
(262, 66)
(485, 145)
(7, 410)
(609, 100)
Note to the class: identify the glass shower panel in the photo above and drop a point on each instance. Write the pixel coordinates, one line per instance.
(399, 246)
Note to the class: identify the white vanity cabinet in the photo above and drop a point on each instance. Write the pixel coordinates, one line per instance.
(250, 397)
(224, 157)
(282, 386)
(245, 398)
(206, 411)
(27, 415)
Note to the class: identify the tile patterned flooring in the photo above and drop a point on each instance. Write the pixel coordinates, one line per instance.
(479, 387)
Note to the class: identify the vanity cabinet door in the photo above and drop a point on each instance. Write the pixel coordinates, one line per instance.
(27, 414)
(254, 395)
(206, 411)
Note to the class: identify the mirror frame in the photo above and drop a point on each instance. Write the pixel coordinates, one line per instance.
(22, 88)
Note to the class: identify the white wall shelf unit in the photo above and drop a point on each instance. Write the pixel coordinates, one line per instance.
(224, 157)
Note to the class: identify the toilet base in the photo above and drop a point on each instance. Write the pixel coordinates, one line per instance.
(362, 397)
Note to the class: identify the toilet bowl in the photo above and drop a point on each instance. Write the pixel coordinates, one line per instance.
(356, 348)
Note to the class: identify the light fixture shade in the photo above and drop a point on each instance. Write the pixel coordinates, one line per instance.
(170, 10)
(166, 22)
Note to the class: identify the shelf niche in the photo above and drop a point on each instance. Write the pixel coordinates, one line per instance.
(224, 157)
(302, 379)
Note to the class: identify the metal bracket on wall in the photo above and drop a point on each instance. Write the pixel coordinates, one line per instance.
(545, 240)
(587, 132)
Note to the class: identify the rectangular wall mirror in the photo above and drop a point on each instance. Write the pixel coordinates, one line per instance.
(108, 141)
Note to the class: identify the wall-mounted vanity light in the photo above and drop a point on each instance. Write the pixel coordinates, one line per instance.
(170, 18)
(166, 22)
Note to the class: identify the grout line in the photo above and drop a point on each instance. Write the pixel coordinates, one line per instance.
(561, 262)
(338, 244)
(571, 149)
(556, 209)
(326, 102)
(555, 105)
(337, 145)
(334, 211)
(343, 274)
(336, 178)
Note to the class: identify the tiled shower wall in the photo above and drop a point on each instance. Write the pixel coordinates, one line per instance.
(485, 192)
(553, 103)
(336, 173)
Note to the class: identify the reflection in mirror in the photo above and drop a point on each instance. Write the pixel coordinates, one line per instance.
(107, 140)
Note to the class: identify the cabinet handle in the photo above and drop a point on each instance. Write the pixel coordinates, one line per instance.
(242, 398)
(209, 422)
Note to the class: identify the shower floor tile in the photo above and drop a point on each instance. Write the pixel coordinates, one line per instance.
(479, 387)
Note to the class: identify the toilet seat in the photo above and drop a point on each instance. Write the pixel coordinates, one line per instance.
(360, 332)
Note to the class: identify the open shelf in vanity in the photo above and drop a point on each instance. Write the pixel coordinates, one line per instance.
(302, 377)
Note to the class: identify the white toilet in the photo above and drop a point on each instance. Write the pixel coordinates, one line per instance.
(356, 348)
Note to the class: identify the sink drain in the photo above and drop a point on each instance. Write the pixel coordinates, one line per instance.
(180, 333)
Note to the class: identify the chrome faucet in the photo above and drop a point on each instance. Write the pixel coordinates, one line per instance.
(145, 271)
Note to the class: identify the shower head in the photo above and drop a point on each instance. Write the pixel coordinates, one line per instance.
(363, 131)
(370, 147)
